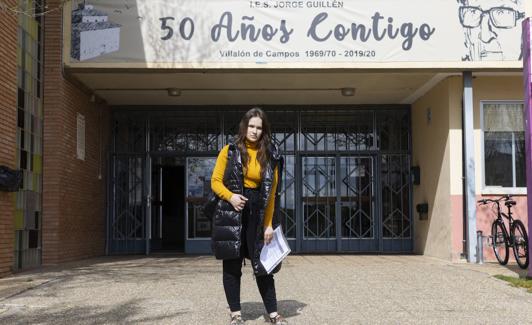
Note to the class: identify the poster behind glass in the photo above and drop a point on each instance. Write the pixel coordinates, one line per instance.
(199, 171)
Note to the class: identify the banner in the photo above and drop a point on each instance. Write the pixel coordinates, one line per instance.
(261, 32)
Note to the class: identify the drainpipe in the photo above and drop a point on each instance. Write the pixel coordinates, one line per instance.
(469, 168)
(464, 190)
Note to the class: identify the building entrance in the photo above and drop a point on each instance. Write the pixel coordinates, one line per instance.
(338, 203)
(167, 208)
(345, 183)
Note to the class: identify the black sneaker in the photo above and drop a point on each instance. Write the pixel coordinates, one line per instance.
(237, 320)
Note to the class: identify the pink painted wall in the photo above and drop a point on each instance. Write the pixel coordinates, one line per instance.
(485, 217)
(457, 226)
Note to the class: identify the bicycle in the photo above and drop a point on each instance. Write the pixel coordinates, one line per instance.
(502, 240)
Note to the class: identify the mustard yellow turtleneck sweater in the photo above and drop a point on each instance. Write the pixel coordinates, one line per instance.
(252, 179)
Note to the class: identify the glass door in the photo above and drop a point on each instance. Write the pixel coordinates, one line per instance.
(338, 203)
(357, 204)
(319, 197)
(156, 233)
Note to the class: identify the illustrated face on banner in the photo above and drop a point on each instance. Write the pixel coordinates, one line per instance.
(489, 27)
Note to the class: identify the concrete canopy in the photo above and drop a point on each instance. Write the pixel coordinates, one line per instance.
(217, 87)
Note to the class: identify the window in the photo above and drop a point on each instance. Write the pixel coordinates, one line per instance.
(503, 144)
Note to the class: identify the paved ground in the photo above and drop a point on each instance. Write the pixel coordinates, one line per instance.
(329, 289)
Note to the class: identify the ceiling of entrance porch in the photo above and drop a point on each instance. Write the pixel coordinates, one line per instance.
(252, 87)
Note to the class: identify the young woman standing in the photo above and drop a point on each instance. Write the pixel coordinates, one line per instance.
(245, 178)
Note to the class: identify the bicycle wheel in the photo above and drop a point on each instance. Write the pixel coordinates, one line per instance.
(500, 242)
(520, 241)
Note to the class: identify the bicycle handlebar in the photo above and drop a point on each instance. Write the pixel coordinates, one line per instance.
(504, 197)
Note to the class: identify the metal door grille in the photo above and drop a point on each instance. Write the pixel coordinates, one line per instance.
(319, 197)
(287, 209)
(127, 222)
(356, 197)
(395, 196)
(345, 181)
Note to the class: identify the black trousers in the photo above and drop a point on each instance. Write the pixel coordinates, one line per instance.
(232, 269)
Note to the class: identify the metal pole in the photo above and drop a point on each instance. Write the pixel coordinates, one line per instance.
(469, 164)
(480, 248)
(527, 70)
(147, 187)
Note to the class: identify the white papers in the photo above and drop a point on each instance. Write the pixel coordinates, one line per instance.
(273, 253)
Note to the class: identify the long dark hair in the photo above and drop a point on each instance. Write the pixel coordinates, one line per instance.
(263, 143)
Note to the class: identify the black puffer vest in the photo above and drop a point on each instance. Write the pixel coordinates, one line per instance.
(227, 225)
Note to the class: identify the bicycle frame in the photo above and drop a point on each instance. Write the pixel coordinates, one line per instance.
(501, 216)
(506, 237)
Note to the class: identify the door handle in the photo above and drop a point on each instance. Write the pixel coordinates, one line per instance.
(161, 221)
(148, 201)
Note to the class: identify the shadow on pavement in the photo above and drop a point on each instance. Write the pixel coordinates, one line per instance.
(515, 268)
(287, 308)
(129, 311)
(121, 260)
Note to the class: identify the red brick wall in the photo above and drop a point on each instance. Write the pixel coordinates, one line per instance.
(73, 197)
(8, 129)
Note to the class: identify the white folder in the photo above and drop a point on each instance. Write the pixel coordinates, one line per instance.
(273, 253)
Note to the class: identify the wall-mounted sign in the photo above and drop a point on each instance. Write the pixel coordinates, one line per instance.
(80, 137)
(316, 32)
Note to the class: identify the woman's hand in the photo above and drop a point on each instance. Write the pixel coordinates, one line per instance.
(238, 201)
(268, 235)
